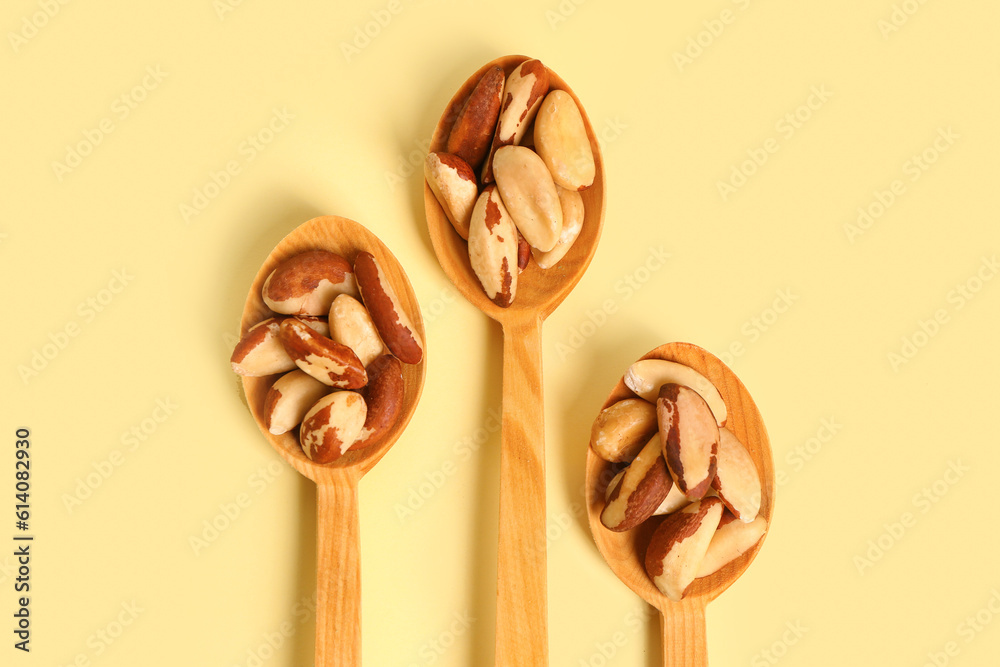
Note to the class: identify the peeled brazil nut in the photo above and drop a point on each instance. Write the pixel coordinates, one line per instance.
(732, 539)
(642, 488)
(289, 399)
(571, 203)
(351, 325)
(472, 132)
(690, 438)
(530, 195)
(622, 429)
(646, 376)
(493, 247)
(736, 478)
(306, 284)
(384, 397)
(391, 321)
(260, 353)
(332, 425)
(678, 546)
(326, 360)
(453, 183)
(562, 142)
(522, 95)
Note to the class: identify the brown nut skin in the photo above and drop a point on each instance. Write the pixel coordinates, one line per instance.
(289, 399)
(493, 251)
(332, 425)
(690, 438)
(622, 429)
(326, 360)
(642, 488)
(522, 95)
(307, 283)
(472, 132)
(384, 397)
(453, 183)
(678, 546)
(391, 320)
(260, 353)
(523, 253)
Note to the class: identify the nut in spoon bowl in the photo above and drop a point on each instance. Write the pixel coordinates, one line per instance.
(683, 622)
(338, 627)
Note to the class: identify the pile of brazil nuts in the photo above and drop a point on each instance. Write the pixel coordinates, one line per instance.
(338, 336)
(683, 464)
(525, 203)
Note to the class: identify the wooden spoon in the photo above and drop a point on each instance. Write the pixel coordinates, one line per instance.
(522, 635)
(338, 610)
(683, 623)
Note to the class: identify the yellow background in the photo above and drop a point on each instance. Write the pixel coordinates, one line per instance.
(672, 131)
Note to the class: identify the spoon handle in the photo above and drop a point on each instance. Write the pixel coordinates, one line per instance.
(522, 621)
(338, 608)
(683, 629)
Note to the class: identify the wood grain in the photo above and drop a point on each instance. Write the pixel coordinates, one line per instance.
(522, 620)
(338, 613)
(683, 632)
(625, 552)
(522, 635)
(338, 571)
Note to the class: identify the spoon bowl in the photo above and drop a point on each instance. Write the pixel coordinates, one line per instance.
(539, 291)
(522, 631)
(683, 622)
(338, 633)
